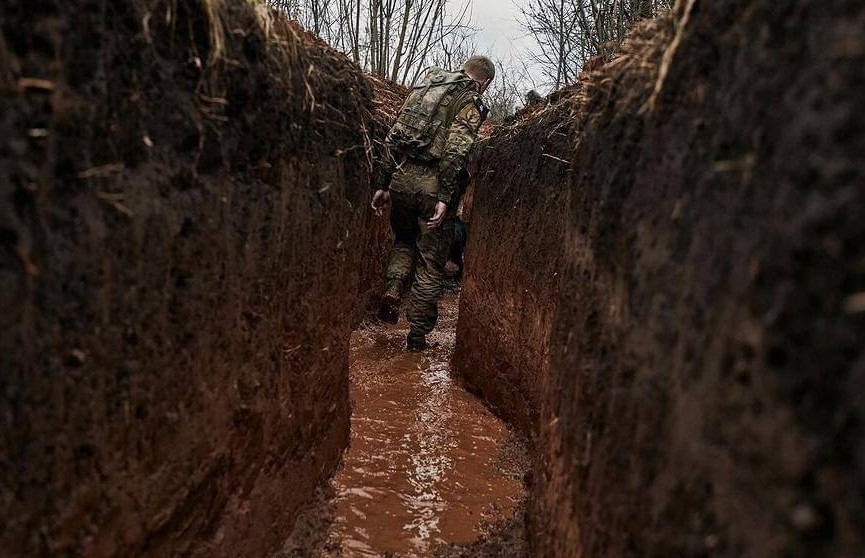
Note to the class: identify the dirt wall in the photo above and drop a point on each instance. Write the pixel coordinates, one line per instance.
(183, 214)
(519, 190)
(387, 99)
(706, 356)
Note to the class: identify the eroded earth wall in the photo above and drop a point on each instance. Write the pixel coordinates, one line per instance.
(514, 261)
(183, 214)
(707, 362)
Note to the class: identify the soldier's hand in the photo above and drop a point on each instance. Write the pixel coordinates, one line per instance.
(379, 201)
(438, 217)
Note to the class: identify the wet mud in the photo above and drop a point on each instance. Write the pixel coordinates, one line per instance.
(430, 471)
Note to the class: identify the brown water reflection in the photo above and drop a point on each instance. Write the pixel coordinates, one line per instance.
(425, 464)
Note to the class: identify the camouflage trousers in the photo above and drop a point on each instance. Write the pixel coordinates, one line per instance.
(417, 249)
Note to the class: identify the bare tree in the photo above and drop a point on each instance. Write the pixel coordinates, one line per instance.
(569, 32)
(508, 91)
(395, 39)
(454, 47)
(553, 25)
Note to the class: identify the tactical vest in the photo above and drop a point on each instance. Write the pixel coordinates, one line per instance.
(423, 123)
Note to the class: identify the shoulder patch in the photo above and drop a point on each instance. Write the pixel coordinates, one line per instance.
(482, 108)
(473, 115)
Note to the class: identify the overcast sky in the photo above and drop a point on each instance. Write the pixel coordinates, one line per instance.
(498, 28)
(499, 33)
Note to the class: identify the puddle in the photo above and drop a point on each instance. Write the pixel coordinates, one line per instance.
(428, 464)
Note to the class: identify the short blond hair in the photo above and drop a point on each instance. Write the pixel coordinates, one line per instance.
(480, 67)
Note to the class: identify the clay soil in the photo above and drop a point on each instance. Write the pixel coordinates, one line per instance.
(184, 249)
(674, 317)
(520, 180)
(703, 392)
(429, 472)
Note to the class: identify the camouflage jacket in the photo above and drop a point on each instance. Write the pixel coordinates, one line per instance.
(463, 118)
(469, 114)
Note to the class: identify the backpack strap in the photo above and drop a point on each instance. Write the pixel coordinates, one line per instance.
(441, 84)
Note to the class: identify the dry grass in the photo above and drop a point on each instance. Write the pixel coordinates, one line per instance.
(670, 52)
(275, 28)
(633, 71)
(627, 77)
(213, 12)
(302, 56)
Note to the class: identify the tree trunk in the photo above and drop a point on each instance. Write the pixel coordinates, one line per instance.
(401, 42)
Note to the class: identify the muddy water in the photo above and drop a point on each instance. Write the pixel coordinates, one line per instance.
(428, 464)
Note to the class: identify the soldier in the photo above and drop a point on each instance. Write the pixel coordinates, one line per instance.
(430, 141)
(533, 98)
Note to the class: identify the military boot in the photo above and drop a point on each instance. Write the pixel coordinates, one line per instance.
(389, 309)
(416, 342)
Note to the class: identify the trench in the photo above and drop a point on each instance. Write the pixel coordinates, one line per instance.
(665, 291)
(429, 470)
(179, 305)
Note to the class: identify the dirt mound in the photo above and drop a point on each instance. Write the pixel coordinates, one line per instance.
(183, 219)
(706, 355)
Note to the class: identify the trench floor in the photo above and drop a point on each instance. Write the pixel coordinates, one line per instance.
(429, 472)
